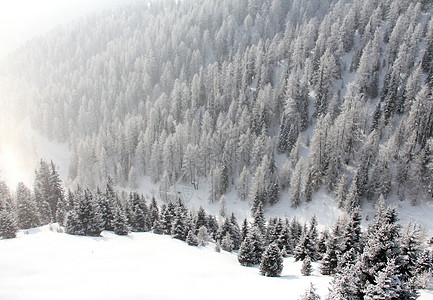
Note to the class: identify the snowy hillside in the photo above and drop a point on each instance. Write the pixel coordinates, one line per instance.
(48, 265)
(309, 121)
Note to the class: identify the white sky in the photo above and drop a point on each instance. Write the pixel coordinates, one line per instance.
(24, 19)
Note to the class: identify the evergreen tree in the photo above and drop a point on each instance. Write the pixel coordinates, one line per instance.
(346, 284)
(181, 223)
(387, 285)
(8, 224)
(259, 220)
(85, 219)
(200, 220)
(192, 239)
(202, 236)
(252, 248)
(295, 184)
(330, 258)
(310, 293)
(167, 216)
(27, 212)
(307, 268)
(272, 261)
(227, 243)
(244, 230)
(119, 222)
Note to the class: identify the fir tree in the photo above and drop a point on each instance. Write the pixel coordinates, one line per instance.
(252, 248)
(202, 236)
(191, 239)
(387, 285)
(244, 230)
(307, 268)
(310, 293)
(27, 212)
(272, 261)
(201, 219)
(119, 223)
(227, 243)
(8, 224)
(86, 218)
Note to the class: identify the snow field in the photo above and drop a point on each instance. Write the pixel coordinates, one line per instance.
(46, 265)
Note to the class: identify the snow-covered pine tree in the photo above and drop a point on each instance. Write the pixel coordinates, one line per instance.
(295, 184)
(244, 229)
(223, 203)
(227, 243)
(346, 284)
(272, 261)
(85, 219)
(119, 222)
(411, 248)
(387, 285)
(191, 239)
(8, 224)
(306, 268)
(310, 293)
(252, 248)
(202, 236)
(167, 216)
(200, 220)
(181, 222)
(27, 211)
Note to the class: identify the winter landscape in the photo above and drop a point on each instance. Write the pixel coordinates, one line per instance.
(190, 149)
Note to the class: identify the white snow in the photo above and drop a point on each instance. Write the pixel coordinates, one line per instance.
(45, 264)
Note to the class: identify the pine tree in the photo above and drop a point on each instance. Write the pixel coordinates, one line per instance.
(330, 258)
(310, 293)
(8, 224)
(201, 219)
(410, 246)
(191, 239)
(27, 212)
(244, 230)
(202, 236)
(346, 284)
(119, 223)
(85, 219)
(227, 243)
(295, 184)
(252, 248)
(307, 268)
(387, 285)
(272, 262)
(259, 220)
(222, 210)
(181, 223)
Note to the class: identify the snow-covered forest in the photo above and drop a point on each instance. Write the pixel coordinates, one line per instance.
(256, 102)
(248, 95)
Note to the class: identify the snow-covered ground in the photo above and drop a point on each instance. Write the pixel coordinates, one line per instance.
(46, 265)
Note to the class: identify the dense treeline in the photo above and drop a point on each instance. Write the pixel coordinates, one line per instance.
(383, 260)
(221, 90)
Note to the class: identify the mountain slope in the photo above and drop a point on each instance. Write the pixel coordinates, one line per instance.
(45, 264)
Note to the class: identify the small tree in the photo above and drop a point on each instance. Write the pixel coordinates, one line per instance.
(310, 293)
(272, 261)
(191, 239)
(307, 268)
(227, 243)
(202, 236)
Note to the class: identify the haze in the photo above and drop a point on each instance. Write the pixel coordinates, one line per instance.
(21, 20)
